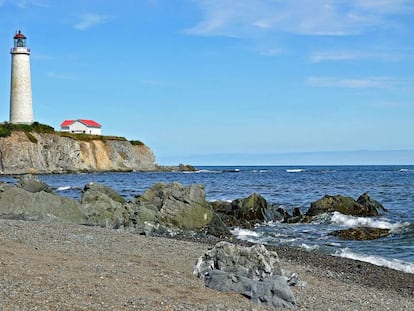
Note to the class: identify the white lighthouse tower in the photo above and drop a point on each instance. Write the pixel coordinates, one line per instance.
(21, 110)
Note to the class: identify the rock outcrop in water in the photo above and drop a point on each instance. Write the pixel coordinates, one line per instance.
(361, 233)
(364, 206)
(21, 153)
(246, 212)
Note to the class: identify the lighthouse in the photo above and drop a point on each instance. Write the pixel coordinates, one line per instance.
(21, 110)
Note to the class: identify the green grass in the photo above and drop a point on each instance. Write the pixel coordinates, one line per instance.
(136, 143)
(7, 128)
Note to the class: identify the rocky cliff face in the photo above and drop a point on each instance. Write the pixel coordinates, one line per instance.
(51, 153)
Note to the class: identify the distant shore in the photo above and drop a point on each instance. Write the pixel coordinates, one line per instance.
(53, 266)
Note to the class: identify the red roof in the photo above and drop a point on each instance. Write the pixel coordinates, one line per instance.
(19, 35)
(88, 123)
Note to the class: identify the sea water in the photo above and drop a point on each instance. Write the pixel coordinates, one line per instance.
(290, 187)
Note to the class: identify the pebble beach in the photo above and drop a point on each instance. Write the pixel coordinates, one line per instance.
(57, 266)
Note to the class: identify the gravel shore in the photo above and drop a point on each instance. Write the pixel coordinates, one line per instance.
(55, 266)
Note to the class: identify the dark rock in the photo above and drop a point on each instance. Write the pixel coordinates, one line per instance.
(251, 271)
(369, 203)
(361, 233)
(217, 228)
(344, 205)
(296, 217)
(251, 208)
(32, 184)
(186, 168)
(297, 212)
(177, 207)
(246, 212)
(104, 207)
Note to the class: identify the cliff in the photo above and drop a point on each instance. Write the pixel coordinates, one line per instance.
(22, 153)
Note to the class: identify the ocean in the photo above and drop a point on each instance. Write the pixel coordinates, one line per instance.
(290, 187)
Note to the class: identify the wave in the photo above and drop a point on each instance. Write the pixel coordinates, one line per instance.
(352, 221)
(295, 170)
(63, 188)
(395, 264)
(245, 233)
(309, 248)
(202, 172)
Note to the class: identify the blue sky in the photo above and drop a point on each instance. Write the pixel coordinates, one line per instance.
(223, 81)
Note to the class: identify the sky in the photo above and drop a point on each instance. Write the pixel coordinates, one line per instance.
(211, 82)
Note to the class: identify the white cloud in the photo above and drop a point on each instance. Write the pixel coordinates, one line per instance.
(271, 52)
(89, 20)
(306, 17)
(371, 82)
(318, 57)
(23, 4)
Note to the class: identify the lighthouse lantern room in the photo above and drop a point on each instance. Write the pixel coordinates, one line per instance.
(21, 110)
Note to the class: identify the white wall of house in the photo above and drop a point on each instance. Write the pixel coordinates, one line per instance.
(78, 127)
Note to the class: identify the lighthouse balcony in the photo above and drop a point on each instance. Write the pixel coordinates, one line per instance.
(20, 50)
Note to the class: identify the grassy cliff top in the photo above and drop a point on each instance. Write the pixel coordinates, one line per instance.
(7, 128)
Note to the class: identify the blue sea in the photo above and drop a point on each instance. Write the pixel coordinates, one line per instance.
(290, 187)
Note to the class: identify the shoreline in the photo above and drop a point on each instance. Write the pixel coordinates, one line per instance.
(53, 265)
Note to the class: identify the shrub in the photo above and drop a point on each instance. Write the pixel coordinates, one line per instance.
(4, 131)
(136, 143)
(42, 128)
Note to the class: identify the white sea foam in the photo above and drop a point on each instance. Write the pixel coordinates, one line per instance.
(307, 247)
(245, 233)
(63, 188)
(260, 171)
(201, 171)
(352, 221)
(295, 170)
(395, 264)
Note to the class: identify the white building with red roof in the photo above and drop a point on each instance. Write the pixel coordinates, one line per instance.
(81, 126)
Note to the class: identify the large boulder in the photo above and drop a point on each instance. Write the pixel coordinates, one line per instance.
(363, 207)
(32, 184)
(177, 207)
(273, 291)
(246, 212)
(18, 203)
(254, 262)
(104, 207)
(252, 271)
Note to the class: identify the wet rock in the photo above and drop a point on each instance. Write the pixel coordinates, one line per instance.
(186, 168)
(345, 205)
(361, 233)
(370, 204)
(246, 212)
